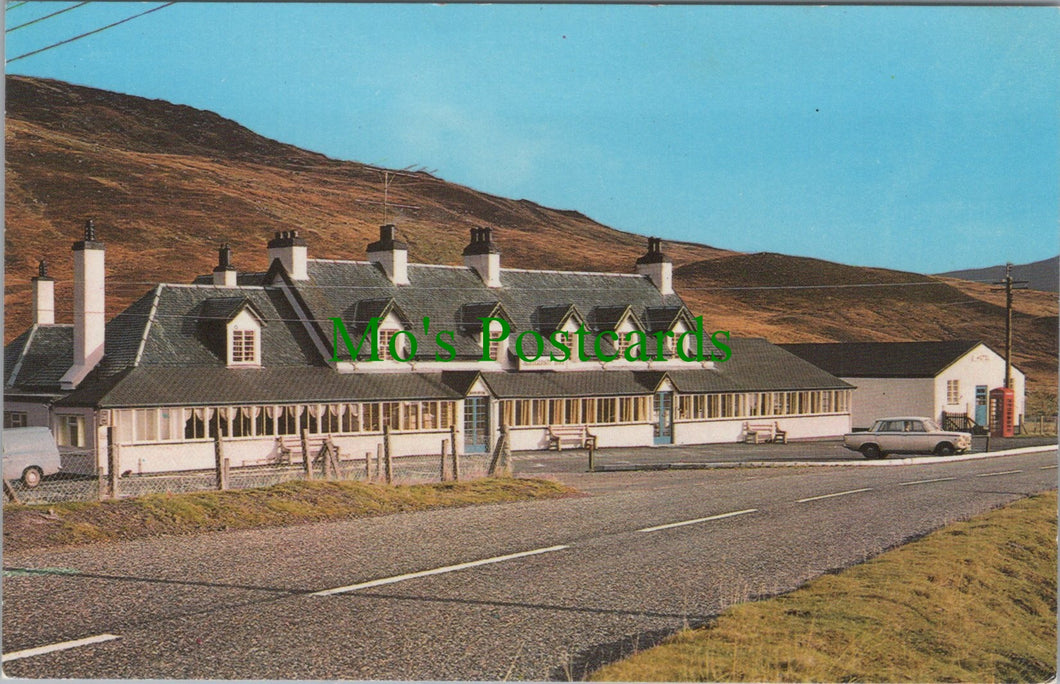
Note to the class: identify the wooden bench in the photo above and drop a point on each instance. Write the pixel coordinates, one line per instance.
(578, 435)
(757, 433)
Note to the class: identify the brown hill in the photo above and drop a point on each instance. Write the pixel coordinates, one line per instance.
(166, 183)
(797, 299)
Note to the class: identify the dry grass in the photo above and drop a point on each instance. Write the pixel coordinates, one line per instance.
(284, 504)
(975, 601)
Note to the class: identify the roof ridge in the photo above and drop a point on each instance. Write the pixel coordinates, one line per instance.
(511, 270)
(147, 325)
(22, 355)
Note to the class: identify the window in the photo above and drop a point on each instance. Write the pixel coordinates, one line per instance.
(287, 420)
(244, 346)
(15, 419)
(242, 421)
(330, 418)
(351, 419)
(953, 391)
(384, 344)
(70, 430)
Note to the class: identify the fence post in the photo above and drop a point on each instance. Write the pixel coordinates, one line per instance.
(112, 464)
(368, 466)
(456, 456)
(506, 455)
(441, 467)
(219, 461)
(988, 441)
(307, 460)
(388, 461)
(101, 476)
(592, 455)
(379, 462)
(498, 464)
(10, 491)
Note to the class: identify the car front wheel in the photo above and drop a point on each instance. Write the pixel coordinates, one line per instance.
(871, 451)
(944, 449)
(31, 476)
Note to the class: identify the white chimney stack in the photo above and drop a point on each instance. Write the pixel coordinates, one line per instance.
(43, 296)
(657, 266)
(484, 257)
(224, 274)
(292, 252)
(89, 307)
(391, 255)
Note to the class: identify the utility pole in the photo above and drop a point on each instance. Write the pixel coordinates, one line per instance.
(1008, 282)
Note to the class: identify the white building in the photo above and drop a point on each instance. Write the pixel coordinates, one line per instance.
(937, 379)
(257, 357)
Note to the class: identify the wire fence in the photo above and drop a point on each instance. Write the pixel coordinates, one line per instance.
(1040, 424)
(412, 469)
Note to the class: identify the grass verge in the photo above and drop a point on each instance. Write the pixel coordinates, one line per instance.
(974, 601)
(289, 503)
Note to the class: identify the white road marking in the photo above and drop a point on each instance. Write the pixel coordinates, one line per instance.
(435, 571)
(697, 520)
(937, 479)
(61, 646)
(1003, 472)
(829, 496)
(1052, 467)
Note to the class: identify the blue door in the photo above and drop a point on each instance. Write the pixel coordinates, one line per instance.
(664, 432)
(980, 405)
(476, 425)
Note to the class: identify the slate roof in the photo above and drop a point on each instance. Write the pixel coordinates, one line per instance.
(172, 386)
(39, 358)
(883, 359)
(177, 334)
(532, 299)
(756, 365)
(593, 383)
(164, 349)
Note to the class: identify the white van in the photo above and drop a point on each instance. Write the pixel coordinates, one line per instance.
(30, 454)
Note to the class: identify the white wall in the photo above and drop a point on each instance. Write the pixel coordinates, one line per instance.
(877, 398)
(624, 434)
(240, 452)
(728, 430)
(980, 366)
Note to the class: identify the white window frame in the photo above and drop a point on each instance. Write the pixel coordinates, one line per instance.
(63, 422)
(953, 392)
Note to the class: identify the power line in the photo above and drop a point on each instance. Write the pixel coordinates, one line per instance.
(46, 16)
(16, 5)
(88, 33)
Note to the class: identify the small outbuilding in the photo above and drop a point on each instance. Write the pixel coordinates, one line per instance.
(947, 380)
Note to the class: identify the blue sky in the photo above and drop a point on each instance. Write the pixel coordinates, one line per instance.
(922, 139)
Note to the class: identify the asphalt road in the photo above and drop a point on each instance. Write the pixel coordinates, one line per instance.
(576, 460)
(591, 579)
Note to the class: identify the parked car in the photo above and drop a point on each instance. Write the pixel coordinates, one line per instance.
(30, 454)
(909, 435)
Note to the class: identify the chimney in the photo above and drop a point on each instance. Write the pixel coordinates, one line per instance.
(89, 314)
(224, 274)
(291, 250)
(484, 257)
(43, 296)
(392, 255)
(657, 266)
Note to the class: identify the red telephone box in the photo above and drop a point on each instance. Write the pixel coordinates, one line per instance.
(1002, 412)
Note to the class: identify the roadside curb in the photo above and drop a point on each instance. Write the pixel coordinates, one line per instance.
(927, 460)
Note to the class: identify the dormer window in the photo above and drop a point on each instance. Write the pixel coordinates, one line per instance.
(244, 347)
(233, 327)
